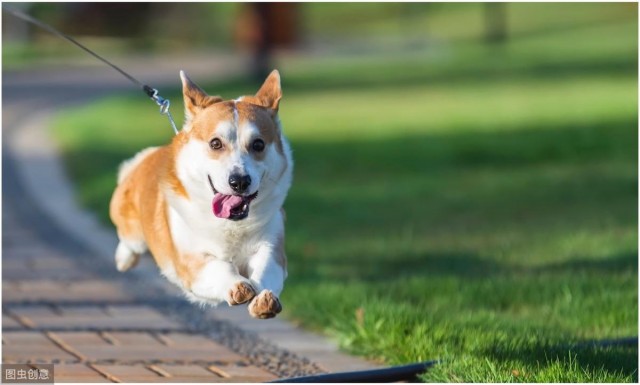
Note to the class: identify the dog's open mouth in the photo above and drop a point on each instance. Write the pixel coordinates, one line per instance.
(234, 207)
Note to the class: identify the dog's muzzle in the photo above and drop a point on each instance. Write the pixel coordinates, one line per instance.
(233, 207)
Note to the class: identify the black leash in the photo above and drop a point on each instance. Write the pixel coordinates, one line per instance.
(391, 374)
(149, 91)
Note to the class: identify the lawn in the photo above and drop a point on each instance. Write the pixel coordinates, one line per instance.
(470, 203)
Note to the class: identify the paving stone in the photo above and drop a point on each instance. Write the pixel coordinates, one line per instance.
(77, 373)
(133, 339)
(185, 371)
(41, 261)
(152, 354)
(131, 311)
(31, 347)
(8, 322)
(15, 236)
(195, 379)
(159, 373)
(134, 347)
(31, 274)
(25, 354)
(246, 372)
(50, 290)
(82, 311)
(28, 249)
(36, 264)
(96, 317)
(214, 351)
(338, 362)
(127, 373)
(184, 379)
(79, 338)
(24, 338)
(187, 340)
(37, 311)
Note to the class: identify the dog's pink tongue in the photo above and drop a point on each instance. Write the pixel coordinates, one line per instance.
(223, 204)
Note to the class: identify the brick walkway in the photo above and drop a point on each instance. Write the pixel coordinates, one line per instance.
(67, 305)
(57, 311)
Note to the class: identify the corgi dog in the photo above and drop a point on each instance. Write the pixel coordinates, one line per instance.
(208, 206)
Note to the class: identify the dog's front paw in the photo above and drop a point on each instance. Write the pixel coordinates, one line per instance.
(265, 305)
(240, 293)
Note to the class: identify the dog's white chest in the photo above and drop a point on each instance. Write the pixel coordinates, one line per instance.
(202, 235)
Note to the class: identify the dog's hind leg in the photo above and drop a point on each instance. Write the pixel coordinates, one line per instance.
(128, 254)
(125, 215)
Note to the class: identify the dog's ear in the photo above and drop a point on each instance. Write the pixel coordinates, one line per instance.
(270, 93)
(195, 98)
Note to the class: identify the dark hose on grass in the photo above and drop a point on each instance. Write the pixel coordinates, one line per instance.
(392, 374)
(411, 372)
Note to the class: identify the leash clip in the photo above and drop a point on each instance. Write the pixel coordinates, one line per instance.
(163, 103)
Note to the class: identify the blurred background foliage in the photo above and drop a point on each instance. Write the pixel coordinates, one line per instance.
(347, 28)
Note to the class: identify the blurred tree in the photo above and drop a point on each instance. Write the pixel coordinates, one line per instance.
(495, 15)
(106, 19)
(262, 27)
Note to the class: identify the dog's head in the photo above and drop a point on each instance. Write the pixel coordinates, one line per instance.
(231, 151)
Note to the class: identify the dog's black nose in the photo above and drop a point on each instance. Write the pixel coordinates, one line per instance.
(239, 183)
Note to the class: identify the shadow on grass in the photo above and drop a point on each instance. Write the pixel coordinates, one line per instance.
(436, 178)
(563, 177)
(621, 358)
(466, 266)
(613, 264)
(491, 66)
(420, 154)
(385, 268)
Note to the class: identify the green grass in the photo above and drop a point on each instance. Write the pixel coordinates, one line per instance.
(472, 204)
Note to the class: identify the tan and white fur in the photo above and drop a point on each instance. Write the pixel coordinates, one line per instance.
(226, 152)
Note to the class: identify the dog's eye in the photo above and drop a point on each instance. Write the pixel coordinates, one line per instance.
(258, 145)
(215, 143)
